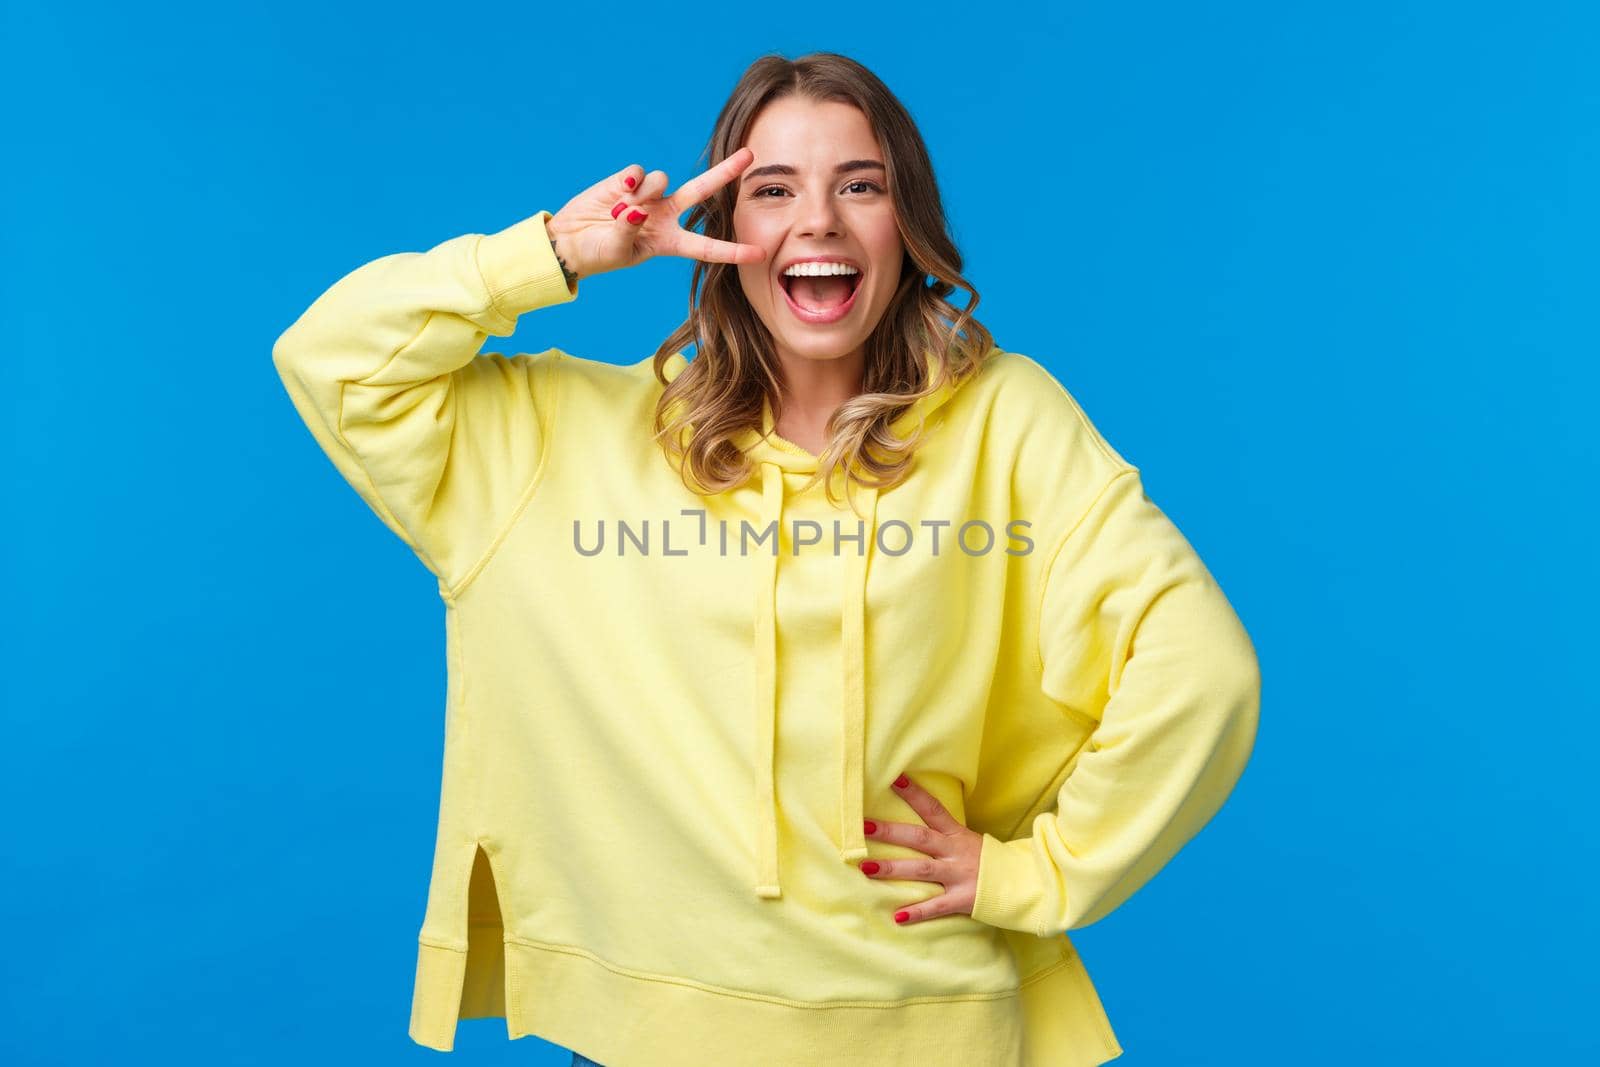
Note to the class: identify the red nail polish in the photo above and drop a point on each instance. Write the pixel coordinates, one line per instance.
(869, 826)
(901, 916)
(902, 781)
(629, 181)
(635, 217)
(869, 867)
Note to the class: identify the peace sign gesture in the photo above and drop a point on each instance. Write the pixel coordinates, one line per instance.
(624, 220)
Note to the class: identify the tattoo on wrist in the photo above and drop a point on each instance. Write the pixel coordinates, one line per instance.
(570, 274)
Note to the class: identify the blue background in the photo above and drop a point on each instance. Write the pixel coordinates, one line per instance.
(1327, 276)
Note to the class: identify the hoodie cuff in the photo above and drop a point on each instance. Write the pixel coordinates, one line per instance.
(520, 270)
(1010, 892)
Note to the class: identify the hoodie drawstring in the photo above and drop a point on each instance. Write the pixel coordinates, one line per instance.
(766, 704)
(853, 691)
(852, 704)
(776, 458)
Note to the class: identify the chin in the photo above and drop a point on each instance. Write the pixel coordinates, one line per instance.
(821, 343)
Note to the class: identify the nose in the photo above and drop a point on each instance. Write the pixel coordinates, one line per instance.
(817, 215)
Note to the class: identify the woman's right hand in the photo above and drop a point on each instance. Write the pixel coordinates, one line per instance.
(609, 226)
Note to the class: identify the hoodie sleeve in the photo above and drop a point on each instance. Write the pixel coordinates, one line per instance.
(1136, 637)
(384, 369)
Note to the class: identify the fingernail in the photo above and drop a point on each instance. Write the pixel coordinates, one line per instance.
(630, 183)
(902, 781)
(869, 867)
(636, 217)
(869, 826)
(901, 916)
(618, 209)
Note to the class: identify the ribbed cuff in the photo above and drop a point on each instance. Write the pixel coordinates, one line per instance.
(1009, 892)
(520, 269)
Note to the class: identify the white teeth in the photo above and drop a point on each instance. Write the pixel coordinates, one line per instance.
(819, 270)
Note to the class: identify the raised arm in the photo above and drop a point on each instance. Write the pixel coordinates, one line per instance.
(384, 369)
(444, 445)
(1134, 633)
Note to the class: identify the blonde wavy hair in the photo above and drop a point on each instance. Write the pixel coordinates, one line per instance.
(718, 395)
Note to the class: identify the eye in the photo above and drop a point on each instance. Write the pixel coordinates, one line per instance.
(761, 192)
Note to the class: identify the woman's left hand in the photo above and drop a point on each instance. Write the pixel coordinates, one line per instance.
(953, 852)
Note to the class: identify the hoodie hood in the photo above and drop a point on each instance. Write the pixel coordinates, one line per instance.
(773, 456)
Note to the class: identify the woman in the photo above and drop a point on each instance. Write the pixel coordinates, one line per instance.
(803, 695)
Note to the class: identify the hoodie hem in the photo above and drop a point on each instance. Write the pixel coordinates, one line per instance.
(624, 1018)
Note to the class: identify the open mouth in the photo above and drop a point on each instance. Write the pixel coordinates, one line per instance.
(820, 300)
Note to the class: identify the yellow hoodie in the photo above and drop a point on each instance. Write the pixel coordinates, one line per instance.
(663, 733)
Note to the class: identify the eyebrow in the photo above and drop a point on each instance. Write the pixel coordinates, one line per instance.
(784, 168)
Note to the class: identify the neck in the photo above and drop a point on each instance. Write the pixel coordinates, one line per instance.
(812, 390)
